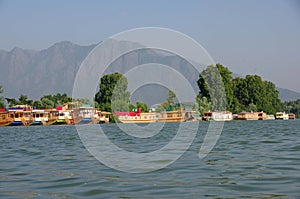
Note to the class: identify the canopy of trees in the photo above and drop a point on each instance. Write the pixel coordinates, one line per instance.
(47, 101)
(242, 94)
(292, 107)
(113, 94)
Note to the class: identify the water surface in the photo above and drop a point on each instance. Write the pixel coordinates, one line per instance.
(252, 159)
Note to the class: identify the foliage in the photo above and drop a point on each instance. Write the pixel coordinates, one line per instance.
(113, 93)
(143, 106)
(1, 98)
(204, 104)
(291, 107)
(47, 101)
(212, 87)
(169, 104)
(254, 94)
(242, 94)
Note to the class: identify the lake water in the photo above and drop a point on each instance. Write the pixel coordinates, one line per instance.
(252, 159)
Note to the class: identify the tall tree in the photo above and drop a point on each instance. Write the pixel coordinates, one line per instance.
(211, 87)
(228, 84)
(1, 98)
(113, 91)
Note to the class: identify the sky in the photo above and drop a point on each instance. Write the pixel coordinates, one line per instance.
(249, 37)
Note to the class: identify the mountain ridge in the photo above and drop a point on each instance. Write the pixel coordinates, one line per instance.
(52, 70)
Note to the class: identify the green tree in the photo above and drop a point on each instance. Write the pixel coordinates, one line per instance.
(211, 87)
(113, 92)
(142, 105)
(169, 104)
(47, 103)
(1, 98)
(23, 99)
(11, 101)
(228, 85)
(252, 92)
(204, 104)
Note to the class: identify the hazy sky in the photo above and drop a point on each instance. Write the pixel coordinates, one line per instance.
(250, 37)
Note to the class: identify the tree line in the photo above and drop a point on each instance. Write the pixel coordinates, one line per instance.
(218, 90)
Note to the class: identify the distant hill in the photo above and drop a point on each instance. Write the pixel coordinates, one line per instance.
(288, 95)
(36, 73)
(53, 70)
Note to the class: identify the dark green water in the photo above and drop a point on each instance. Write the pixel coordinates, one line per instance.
(252, 159)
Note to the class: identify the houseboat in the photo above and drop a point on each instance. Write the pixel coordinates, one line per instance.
(292, 116)
(218, 116)
(136, 117)
(40, 117)
(252, 116)
(63, 117)
(270, 117)
(281, 116)
(5, 118)
(104, 117)
(85, 115)
(21, 115)
(172, 116)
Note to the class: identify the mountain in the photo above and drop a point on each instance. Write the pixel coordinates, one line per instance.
(288, 95)
(53, 70)
(36, 73)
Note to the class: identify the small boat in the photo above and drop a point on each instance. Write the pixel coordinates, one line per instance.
(281, 116)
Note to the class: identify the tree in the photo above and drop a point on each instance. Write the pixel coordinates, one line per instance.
(204, 104)
(211, 87)
(47, 103)
(1, 98)
(253, 94)
(142, 105)
(113, 93)
(169, 104)
(228, 84)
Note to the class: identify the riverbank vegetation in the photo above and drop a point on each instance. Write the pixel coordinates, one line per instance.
(236, 94)
(218, 90)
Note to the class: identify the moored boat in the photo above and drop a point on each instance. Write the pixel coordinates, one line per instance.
(221, 116)
(281, 116)
(40, 117)
(172, 116)
(85, 115)
(292, 116)
(136, 117)
(252, 116)
(5, 118)
(21, 115)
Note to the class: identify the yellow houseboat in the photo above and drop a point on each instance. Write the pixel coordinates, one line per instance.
(21, 115)
(172, 116)
(5, 118)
